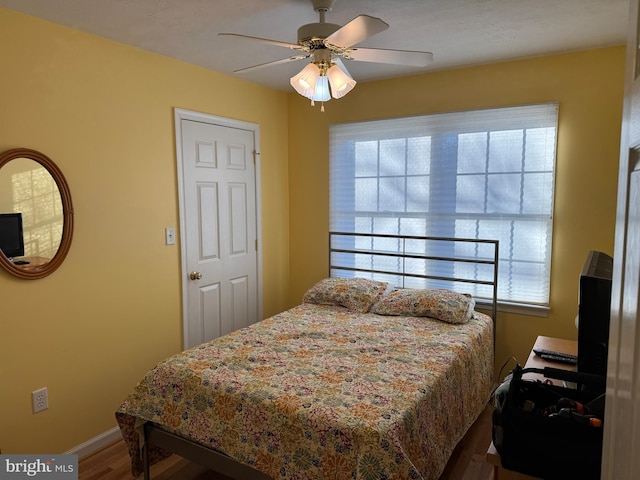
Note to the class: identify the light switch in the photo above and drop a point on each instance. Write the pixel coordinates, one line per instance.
(170, 235)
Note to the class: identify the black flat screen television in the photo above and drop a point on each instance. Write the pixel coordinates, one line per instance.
(11, 235)
(594, 306)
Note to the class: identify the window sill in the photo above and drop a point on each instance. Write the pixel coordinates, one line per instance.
(517, 308)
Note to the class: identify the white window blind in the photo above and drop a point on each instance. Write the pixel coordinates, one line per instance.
(479, 174)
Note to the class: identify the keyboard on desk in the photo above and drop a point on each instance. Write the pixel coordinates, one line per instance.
(556, 356)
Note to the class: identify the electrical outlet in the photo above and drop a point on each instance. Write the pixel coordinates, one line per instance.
(170, 236)
(40, 400)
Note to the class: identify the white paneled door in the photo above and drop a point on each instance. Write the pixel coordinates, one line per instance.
(622, 415)
(219, 227)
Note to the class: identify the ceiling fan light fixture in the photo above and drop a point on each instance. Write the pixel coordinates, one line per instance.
(341, 82)
(305, 81)
(322, 93)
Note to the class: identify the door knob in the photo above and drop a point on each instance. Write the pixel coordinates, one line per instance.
(195, 275)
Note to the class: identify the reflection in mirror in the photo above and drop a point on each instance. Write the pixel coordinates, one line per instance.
(36, 214)
(29, 189)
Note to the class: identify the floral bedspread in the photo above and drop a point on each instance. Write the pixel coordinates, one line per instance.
(318, 392)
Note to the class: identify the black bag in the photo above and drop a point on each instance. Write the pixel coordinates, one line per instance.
(549, 431)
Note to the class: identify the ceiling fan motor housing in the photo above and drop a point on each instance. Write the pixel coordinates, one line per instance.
(313, 33)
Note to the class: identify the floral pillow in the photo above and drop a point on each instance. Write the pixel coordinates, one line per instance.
(356, 294)
(445, 305)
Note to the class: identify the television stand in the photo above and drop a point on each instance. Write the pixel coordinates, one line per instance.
(33, 263)
(534, 361)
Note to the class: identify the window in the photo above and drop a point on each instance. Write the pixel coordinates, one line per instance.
(35, 195)
(479, 174)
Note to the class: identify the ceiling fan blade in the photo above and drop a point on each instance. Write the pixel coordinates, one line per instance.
(277, 43)
(355, 31)
(269, 64)
(396, 57)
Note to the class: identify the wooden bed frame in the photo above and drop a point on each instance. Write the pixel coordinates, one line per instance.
(223, 464)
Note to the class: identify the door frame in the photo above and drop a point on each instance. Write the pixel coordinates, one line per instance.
(182, 114)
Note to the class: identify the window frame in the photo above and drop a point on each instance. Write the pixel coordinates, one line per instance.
(473, 122)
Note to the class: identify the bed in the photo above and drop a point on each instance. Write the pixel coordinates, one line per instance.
(378, 373)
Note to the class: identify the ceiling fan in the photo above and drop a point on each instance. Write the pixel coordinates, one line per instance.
(327, 44)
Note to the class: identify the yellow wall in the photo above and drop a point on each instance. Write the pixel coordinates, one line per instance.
(103, 112)
(588, 86)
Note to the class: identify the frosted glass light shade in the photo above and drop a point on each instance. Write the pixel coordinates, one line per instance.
(341, 82)
(305, 82)
(322, 90)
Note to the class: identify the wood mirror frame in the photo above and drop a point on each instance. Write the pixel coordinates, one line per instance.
(41, 271)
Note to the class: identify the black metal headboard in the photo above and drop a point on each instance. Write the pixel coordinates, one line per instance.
(460, 264)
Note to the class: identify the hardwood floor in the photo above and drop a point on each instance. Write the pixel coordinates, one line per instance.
(468, 461)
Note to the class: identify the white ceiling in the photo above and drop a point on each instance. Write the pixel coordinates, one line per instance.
(458, 32)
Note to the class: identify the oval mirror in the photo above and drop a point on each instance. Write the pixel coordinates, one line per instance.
(36, 214)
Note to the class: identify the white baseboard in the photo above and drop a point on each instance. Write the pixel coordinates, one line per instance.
(96, 443)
